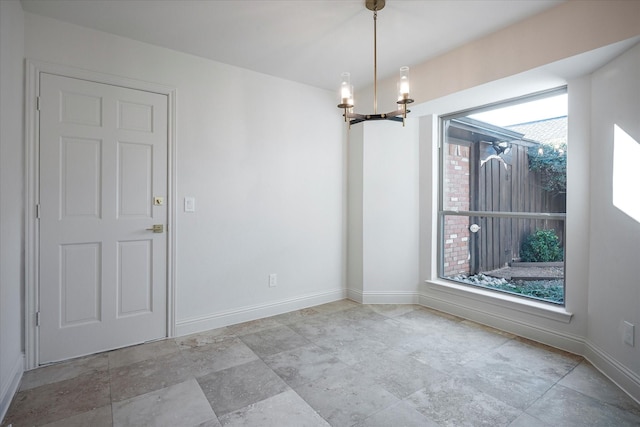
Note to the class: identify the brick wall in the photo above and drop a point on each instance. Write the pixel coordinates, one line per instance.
(456, 196)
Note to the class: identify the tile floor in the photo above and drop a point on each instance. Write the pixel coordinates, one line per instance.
(338, 364)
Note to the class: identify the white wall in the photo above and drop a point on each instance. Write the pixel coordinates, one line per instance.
(262, 156)
(614, 282)
(355, 229)
(383, 212)
(11, 199)
(390, 212)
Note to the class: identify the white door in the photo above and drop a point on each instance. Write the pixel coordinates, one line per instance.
(103, 166)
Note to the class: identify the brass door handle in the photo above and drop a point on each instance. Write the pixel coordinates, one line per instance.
(157, 228)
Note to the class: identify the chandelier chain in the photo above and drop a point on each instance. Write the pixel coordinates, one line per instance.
(375, 62)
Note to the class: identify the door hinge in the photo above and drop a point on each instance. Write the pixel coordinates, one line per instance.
(37, 318)
(38, 211)
(37, 103)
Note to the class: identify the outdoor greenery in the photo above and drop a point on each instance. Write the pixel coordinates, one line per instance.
(551, 290)
(548, 290)
(541, 246)
(551, 163)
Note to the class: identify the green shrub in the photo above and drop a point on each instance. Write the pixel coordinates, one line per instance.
(541, 246)
(551, 163)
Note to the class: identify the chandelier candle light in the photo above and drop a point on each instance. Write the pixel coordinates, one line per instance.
(346, 89)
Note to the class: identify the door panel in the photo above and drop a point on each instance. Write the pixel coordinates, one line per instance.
(82, 109)
(134, 278)
(103, 159)
(137, 117)
(80, 190)
(134, 180)
(80, 284)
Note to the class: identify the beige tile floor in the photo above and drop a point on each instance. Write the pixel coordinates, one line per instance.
(338, 364)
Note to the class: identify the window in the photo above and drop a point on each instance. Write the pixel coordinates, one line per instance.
(502, 206)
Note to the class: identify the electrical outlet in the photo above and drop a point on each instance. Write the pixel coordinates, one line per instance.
(627, 334)
(273, 280)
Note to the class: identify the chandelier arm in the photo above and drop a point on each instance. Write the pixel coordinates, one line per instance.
(396, 113)
(358, 118)
(376, 117)
(395, 119)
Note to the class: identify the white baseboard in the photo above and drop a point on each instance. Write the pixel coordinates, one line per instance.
(246, 314)
(355, 295)
(10, 388)
(622, 376)
(476, 312)
(390, 297)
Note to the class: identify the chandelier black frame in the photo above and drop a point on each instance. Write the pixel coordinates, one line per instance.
(346, 90)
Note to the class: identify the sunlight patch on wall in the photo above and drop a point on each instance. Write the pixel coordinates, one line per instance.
(626, 173)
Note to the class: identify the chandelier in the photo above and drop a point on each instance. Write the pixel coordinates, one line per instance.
(346, 89)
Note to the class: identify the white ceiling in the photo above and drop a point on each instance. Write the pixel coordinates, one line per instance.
(309, 41)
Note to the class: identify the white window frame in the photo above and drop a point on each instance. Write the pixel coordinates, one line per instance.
(556, 311)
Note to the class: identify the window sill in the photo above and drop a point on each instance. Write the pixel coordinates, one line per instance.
(534, 308)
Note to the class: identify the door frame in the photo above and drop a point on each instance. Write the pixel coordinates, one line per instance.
(33, 70)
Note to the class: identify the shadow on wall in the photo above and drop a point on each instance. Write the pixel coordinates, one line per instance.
(626, 173)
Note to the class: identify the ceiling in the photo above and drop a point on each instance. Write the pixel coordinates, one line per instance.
(308, 41)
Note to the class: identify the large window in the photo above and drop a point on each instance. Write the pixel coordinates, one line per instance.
(502, 205)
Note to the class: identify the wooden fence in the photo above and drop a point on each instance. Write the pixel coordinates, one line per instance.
(513, 188)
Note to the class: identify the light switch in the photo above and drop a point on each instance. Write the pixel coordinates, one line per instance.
(189, 204)
(628, 332)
